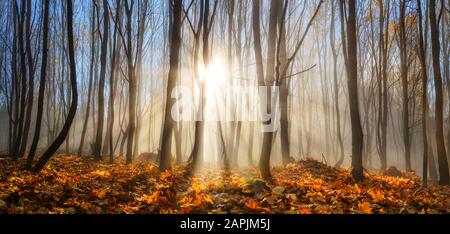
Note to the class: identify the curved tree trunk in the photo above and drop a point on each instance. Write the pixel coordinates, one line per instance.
(40, 107)
(73, 106)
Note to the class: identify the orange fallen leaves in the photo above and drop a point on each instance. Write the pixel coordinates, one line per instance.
(100, 193)
(365, 208)
(376, 195)
(72, 184)
(208, 199)
(149, 199)
(252, 204)
(164, 175)
(305, 210)
(100, 173)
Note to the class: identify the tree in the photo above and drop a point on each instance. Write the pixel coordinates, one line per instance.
(142, 19)
(435, 50)
(235, 130)
(283, 64)
(165, 163)
(350, 55)
(73, 106)
(264, 161)
(198, 127)
(404, 78)
(336, 89)
(101, 87)
(40, 107)
(383, 86)
(284, 85)
(207, 22)
(91, 78)
(30, 97)
(425, 111)
(21, 98)
(115, 56)
(131, 82)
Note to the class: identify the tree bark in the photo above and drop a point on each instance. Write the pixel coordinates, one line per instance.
(40, 107)
(194, 158)
(26, 128)
(336, 85)
(404, 78)
(101, 86)
(352, 82)
(264, 162)
(165, 162)
(442, 154)
(91, 78)
(23, 80)
(73, 107)
(383, 89)
(425, 111)
(131, 83)
(112, 87)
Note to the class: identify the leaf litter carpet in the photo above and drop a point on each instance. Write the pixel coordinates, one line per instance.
(71, 184)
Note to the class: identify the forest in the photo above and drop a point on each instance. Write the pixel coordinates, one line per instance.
(224, 106)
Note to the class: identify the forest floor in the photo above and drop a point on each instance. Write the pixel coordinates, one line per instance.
(70, 184)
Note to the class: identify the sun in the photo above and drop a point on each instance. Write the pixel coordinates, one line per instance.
(215, 74)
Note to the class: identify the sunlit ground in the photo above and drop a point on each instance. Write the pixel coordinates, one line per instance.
(70, 184)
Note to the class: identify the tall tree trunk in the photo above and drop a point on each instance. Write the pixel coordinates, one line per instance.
(431, 161)
(101, 86)
(142, 9)
(91, 78)
(257, 41)
(425, 111)
(14, 90)
(73, 106)
(446, 64)
(264, 163)
(30, 63)
(23, 79)
(40, 107)
(197, 151)
(442, 154)
(232, 124)
(198, 128)
(131, 83)
(336, 87)
(383, 88)
(112, 87)
(284, 86)
(352, 75)
(165, 163)
(404, 78)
